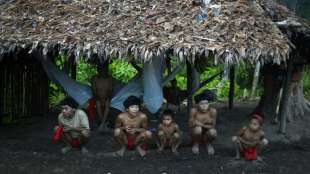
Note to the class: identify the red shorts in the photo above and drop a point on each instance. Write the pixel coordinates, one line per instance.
(250, 153)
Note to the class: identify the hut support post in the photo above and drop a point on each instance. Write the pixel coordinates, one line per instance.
(285, 96)
(189, 72)
(73, 68)
(231, 87)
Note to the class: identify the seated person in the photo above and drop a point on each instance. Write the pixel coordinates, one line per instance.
(250, 139)
(169, 133)
(73, 126)
(202, 122)
(131, 127)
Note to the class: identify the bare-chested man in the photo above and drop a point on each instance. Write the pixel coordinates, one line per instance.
(250, 139)
(169, 133)
(102, 85)
(202, 122)
(74, 126)
(131, 127)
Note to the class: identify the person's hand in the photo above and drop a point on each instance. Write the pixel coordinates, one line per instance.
(198, 123)
(129, 130)
(133, 130)
(77, 129)
(208, 126)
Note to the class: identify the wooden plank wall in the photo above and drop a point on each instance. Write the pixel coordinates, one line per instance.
(23, 89)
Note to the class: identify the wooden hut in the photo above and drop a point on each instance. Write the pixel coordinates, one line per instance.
(225, 32)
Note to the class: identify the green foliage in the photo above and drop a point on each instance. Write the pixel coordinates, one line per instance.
(122, 70)
(306, 80)
(85, 71)
(56, 94)
(60, 61)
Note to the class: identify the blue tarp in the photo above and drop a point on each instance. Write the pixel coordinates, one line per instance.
(79, 92)
(134, 87)
(152, 84)
(147, 85)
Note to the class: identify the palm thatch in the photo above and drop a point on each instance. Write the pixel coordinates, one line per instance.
(141, 29)
(296, 29)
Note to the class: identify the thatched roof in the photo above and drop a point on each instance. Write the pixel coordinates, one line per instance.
(142, 29)
(296, 29)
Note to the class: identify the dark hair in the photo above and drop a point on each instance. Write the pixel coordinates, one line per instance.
(131, 100)
(205, 95)
(70, 102)
(168, 112)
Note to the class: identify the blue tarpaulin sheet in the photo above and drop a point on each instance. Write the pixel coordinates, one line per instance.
(147, 85)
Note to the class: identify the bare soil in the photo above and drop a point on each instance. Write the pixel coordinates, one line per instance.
(28, 148)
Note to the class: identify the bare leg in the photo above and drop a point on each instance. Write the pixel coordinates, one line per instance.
(84, 138)
(103, 126)
(99, 110)
(121, 138)
(260, 147)
(176, 141)
(161, 141)
(67, 138)
(141, 139)
(237, 146)
(196, 136)
(211, 135)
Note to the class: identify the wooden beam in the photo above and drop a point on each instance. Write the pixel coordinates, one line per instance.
(202, 84)
(285, 96)
(169, 68)
(73, 67)
(231, 87)
(139, 69)
(66, 68)
(189, 71)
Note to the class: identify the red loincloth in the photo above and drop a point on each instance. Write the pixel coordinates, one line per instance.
(168, 142)
(250, 153)
(58, 134)
(75, 142)
(131, 143)
(91, 109)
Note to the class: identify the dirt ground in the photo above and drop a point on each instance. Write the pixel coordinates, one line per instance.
(27, 148)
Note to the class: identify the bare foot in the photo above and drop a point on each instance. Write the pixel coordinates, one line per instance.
(141, 151)
(121, 151)
(84, 150)
(175, 151)
(103, 128)
(275, 120)
(210, 149)
(237, 157)
(66, 149)
(259, 159)
(160, 149)
(195, 149)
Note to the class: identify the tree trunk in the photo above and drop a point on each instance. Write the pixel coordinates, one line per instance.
(298, 106)
(272, 83)
(255, 80)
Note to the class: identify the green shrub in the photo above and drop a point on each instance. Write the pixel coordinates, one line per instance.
(306, 80)
(122, 70)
